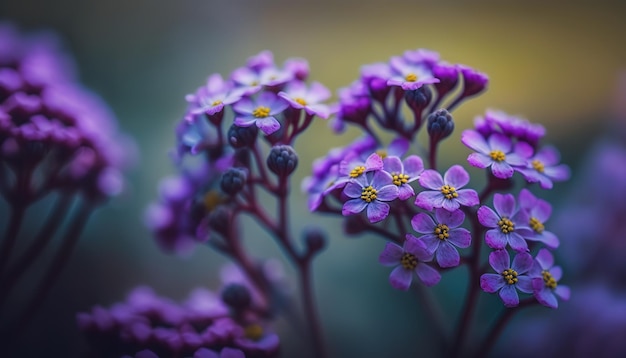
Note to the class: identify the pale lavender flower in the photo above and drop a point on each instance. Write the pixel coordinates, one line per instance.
(545, 280)
(496, 152)
(507, 223)
(300, 97)
(443, 235)
(260, 112)
(445, 192)
(544, 168)
(409, 75)
(354, 166)
(408, 259)
(403, 173)
(538, 212)
(508, 277)
(370, 192)
(211, 98)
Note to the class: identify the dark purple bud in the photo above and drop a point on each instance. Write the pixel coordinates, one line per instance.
(219, 219)
(448, 76)
(236, 296)
(233, 180)
(282, 160)
(474, 82)
(240, 137)
(315, 239)
(440, 125)
(418, 99)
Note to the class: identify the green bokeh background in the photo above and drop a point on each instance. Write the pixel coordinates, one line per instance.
(555, 63)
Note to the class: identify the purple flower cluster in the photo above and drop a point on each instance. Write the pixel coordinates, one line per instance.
(507, 144)
(147, 325)
(53, 126)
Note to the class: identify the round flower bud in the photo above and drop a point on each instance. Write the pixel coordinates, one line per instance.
(315, 239)
(240, 137)
(440, 125)
(219, 219)
(419, 98)
(474, 81)
(233, 181)
(236, 296)
(282, 160)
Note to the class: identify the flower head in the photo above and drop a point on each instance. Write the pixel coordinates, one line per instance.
(260, 112)
(544, 168)
(507, 224)
(370, 192)
(403, 173)
(408, 259)
(445, 192)
(410, 75)
(496, 152)
(508, 277)
(538, 212)
(300, 97)
(545, 280)
(443, 235)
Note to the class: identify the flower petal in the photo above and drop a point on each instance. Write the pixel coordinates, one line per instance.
(456, 176)
(431, 179)
(467, 197)
(496, 239)
(522, 262)
(502, 170)
(524, 284)
(387, 193)
(517, 242)
(428, 200)
(475, 141)
(353, 206)
(447, 255)
(487, 217)
(268, 125)
(509, 296)
(353, 190)
(391, 255)
(491, 282)
(451, 218)
(428, 275)
(545, 259)
(499, 141)
(377, 211)
(479, 160)
(400, 278)
(393, 165)
(499, 260)
(460, 237)
(413, 166)
(504, 204)
(423, 223)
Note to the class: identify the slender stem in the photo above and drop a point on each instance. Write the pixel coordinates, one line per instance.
(306, 286)
(59, 261)
(10, 236)
(456, 102)
(498, 327)
(432, 154)
(43, 238)
(434, 313)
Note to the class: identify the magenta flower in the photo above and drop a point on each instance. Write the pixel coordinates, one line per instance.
(409, 75)
(511, 126)
(371, 194)
(260, 112)
(408, 259)
(403, 173)
(508, 224)
(509, 278)
(538, 212)
(497, 152)
(544, 168)
(545, 280)
(442, 235)
(446, 192)
(300, 97)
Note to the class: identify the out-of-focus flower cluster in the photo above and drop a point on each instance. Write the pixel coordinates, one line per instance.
(53, 126)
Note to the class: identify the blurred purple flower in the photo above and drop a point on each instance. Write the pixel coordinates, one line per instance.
(300, 97)
(409, 259)
(538, 212)
(260, 111)
(545, 280)
(544, 168)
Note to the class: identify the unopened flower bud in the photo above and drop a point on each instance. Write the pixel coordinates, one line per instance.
(219, 219)
(418, 99)
(474, 82)
(233, 181)
(240, 137)
(440, 125)
(282, 160)
(236, 296)
(315, 239)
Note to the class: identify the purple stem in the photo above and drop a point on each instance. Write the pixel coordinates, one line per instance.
(432, 155)
(10, 236)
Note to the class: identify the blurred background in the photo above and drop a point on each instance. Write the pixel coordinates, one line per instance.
(557, 64)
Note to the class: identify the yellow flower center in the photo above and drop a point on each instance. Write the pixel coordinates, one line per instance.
(497, 155)
(261, 112)
(358, 170)
(536, 225)
(408, 261)
(510, 276)
(538, 165)
(369, 194)
(253, 331)
(211, 200)
(300, 100)
(548, 279)
(411, 77)
(506, 225)
(399, 179)
(216, 103)
(382, 153)
(449, 192)
(441, 231)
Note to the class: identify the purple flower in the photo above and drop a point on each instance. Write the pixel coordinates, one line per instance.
(408, 259)
(211, 98)
(538, 212)
(224, 353)
(299, 97)
(545, 280)
(371, 192)
(509, 278)
(496, 121)
(446, 192)
(497, 151)
(353, 166)
(508, 224)
(544, 168)
(260, 112)
(442, 235)
(403, 173)
(409, 75)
